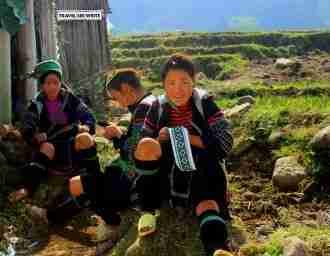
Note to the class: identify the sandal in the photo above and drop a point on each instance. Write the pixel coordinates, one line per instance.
(147, 224)
(222, 253)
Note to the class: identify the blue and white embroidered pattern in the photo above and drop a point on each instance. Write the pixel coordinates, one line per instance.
(182, 149)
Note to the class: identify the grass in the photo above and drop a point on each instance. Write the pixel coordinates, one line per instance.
(220, 67)
(214, 66)
(318, 240)
(225, 103)
(302, 40)
(278, 110)
(249, 50)
(302, 84)
(258, 88)
(15, 216)
(296, 143)
(176, 235)
(298, 117)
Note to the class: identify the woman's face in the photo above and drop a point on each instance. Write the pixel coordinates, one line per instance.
(51, 86)
(126, 96)
(178, 86)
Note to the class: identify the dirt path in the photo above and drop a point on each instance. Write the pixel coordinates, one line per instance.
(68, 241)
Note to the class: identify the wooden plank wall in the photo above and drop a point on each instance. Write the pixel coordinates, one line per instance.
(84, 45)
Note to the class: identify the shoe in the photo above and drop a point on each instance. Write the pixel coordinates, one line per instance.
(147, 224)
(146, 238)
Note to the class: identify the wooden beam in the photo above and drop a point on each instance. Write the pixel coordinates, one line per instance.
(27, 52)
(47, 29)
(5, 78)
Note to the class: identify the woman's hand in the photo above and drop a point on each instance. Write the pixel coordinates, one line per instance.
(164, 135)
(75, 186)
(40, 137)
(113, 131)
(18, 195)
(196, 141)
(83, 128)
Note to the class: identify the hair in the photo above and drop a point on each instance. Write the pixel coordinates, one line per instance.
(124, 76)
(43, 77)
(179, 61)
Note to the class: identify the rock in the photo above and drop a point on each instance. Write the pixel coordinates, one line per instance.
(269, 83)
(325, 62)
(264, 61)
(263, 231)
(265, 207)
(276, 137)
(242, 147)
(246, 99)
(266, 76)
(295, 67)
(293, 246)
(326, 67)
(237, 111)
(321, 141)
(201, 76)
(323, 218)
(288, 173)
(262, 134)
(282, 63)
(307, 72)
(263, 76)
(250, 196)
(310, 223)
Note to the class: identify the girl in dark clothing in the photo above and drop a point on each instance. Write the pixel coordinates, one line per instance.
(60, 127)
(119, 186)
(203, 189)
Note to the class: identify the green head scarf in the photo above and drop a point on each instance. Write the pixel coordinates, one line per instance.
(47, 66)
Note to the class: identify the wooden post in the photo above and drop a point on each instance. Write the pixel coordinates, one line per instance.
(53, 29)
(47, 29)
(27, 55)
(5, 78)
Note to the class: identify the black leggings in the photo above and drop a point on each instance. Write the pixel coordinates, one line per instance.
(108, 193)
